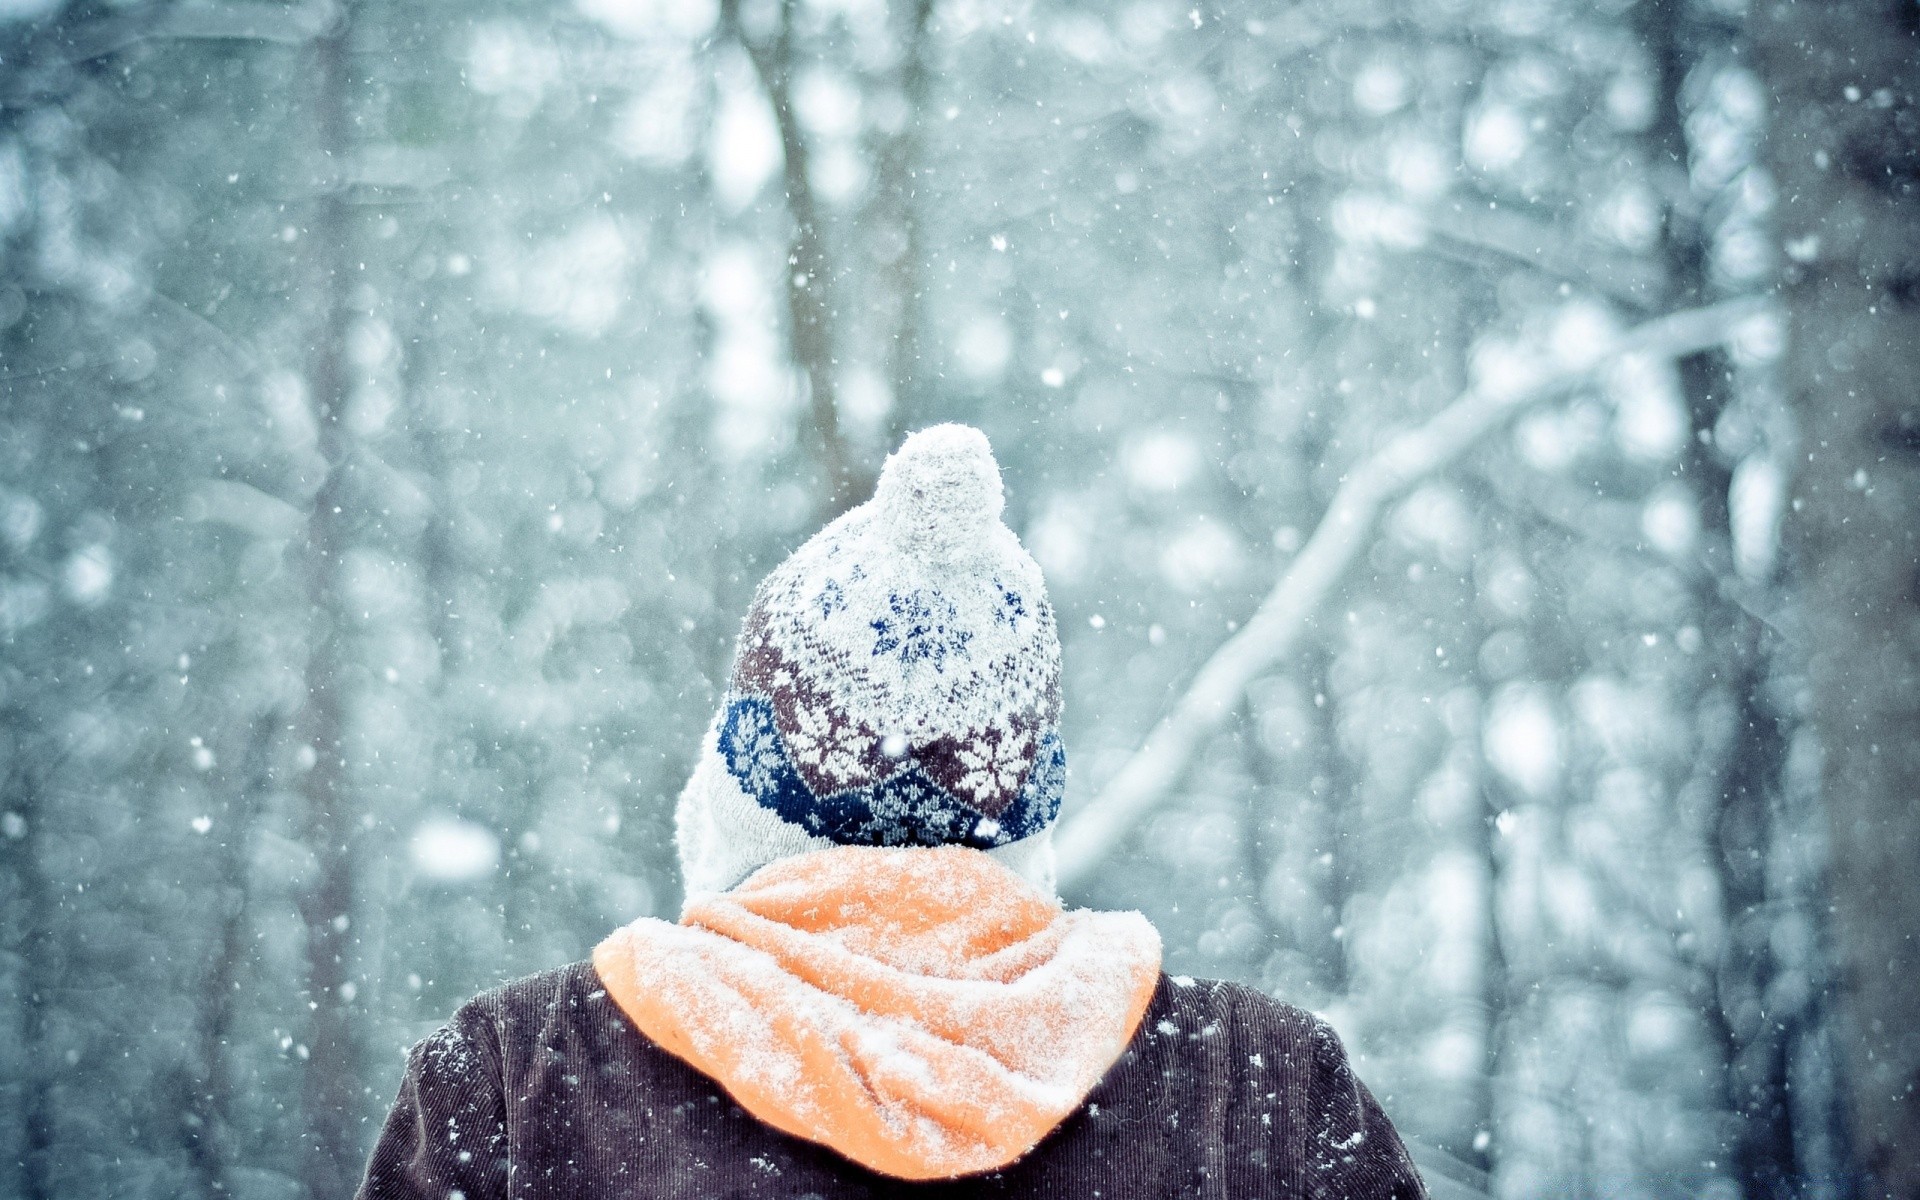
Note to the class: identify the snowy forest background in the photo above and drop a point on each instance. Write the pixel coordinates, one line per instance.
(1472, 444)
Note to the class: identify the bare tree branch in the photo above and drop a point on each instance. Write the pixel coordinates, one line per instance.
(1473, 234)
(1146, 779)
(41, 69)
(250, 22)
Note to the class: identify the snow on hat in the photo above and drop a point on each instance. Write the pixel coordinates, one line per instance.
(896, 683)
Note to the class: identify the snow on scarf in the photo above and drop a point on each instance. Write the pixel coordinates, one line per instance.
(923, 1011)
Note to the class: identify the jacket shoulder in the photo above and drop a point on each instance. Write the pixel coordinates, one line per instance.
(1341, 1143)
(1244, 1011)
(535, 993)
(507, 1021)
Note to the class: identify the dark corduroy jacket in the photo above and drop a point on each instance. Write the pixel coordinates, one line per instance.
(543, 1090)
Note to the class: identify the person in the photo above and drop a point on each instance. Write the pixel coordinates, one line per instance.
(872, 989)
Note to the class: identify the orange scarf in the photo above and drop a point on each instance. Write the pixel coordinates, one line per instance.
(925, 1011)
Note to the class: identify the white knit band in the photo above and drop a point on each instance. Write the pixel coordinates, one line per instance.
(723, 835)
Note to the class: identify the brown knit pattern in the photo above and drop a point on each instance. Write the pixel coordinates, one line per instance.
(832, 752)
(542, 1090)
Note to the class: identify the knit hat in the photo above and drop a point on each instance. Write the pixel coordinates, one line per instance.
(896, 683)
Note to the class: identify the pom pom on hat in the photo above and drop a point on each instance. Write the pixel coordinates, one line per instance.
(896, 681)
(939, 493)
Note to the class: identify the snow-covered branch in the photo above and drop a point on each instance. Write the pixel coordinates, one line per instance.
(1150, 775)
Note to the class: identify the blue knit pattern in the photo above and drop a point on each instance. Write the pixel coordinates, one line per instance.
(904, 809)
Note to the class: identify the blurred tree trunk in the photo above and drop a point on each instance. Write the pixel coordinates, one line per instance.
(1260, 837)
(1494, 985)
(32, 950)
(897, 232)
(1845, 153)
(1333, 793)
(332, 1090)
(211, 1143)
(810, 277)
(1752, 1039)
(435, 435)
(30, 907)
(1742, 1004)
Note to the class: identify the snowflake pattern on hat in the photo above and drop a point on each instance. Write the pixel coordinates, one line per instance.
(897, 678)
(905, 808)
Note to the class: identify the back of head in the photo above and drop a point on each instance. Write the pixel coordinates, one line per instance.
(896, 683)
